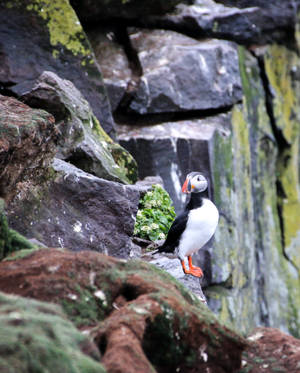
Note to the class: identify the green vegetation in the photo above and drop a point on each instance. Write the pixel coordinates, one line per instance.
(10, 240)
(83, 307)
(162, 342)
(36, 337)
(155, 215)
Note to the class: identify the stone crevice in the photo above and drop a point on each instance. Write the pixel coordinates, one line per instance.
(122, 38)
(5, 89)
(122, 117)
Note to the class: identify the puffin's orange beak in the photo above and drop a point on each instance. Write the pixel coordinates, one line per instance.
(185, 186)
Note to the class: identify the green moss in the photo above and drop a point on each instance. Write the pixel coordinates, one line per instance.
(83, 307)
(21, 254)
(115, 159)
(162, 343)
(125, 161)
(99, 131)
(10, 240)
(36, 337)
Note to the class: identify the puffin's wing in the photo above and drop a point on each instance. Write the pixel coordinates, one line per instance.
(175, 232)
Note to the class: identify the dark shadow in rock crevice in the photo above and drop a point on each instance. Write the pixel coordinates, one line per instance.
(130, 292)
(5, 90)
(123, 117)
(102, 344)
(161, 346)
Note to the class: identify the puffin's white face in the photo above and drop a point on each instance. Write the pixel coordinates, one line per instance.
(194, 183)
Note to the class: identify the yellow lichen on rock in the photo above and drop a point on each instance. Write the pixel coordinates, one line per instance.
(281, 64)
(64, 27)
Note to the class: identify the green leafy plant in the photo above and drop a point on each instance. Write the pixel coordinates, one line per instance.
(155, 215)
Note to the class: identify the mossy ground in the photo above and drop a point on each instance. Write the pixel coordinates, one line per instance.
(36, 337)
(10, 240)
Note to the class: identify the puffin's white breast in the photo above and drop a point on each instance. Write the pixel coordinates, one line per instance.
(201, 225)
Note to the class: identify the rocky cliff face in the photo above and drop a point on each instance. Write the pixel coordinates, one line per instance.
(230, 110)
(196, 85)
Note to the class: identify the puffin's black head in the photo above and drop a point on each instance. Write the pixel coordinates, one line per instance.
(195, 182)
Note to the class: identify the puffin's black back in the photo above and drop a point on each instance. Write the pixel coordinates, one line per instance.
(179, 224)
(174, 234)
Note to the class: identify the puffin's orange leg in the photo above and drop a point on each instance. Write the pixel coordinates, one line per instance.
(195, 271)
(194, 268)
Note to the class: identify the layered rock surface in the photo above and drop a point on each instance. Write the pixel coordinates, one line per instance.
(52, 203)
(81, 139)
(78, 211)
(173, 148)
(172, 63)
(251, 269)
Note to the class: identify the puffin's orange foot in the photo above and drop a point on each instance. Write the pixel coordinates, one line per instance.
(194, 271)
(198, 269)
(197, 272)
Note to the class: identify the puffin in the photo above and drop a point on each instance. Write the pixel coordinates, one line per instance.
(195, 226)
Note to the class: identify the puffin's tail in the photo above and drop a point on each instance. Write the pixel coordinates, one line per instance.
(165, 248)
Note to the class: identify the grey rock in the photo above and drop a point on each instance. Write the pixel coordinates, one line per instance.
(173, 149)
(246, 22)
(114, 65)
(81, 139)
(37, 243)
(183, 74)
(135, 251)
(147, 183)
(50, 43)
(173, 267)
(78, 211)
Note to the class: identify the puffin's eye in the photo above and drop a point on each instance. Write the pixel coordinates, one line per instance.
(198, 178)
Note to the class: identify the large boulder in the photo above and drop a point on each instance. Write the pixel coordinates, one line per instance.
(174, 149)
(35, 192)
(141, 319)
(183, 74)
(54, 41)
(81, 139)
(245, 22)
(79, 211)
(37, 337)
(27, 146)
